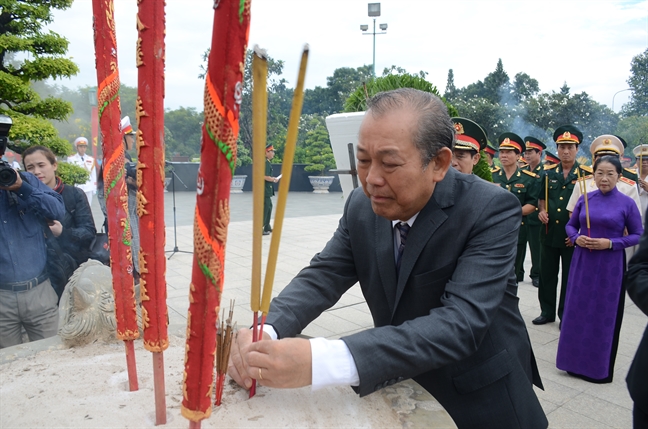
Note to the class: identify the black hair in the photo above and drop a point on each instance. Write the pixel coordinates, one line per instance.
(614, 160)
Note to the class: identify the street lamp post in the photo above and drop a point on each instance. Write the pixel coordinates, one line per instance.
(627, 89)
(374, 11)
(94, 120)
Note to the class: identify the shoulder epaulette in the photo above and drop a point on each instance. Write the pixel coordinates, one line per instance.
(628, 181)
(495, 169)
(587, 168)
(630, 170)
(589, 176)
(550, 166)
(531, 173)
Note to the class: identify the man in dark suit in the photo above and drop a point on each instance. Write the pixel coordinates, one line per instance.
(637, 284)
(433, 251)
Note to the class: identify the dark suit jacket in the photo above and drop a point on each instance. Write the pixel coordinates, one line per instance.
(637, 284)
(450, 320)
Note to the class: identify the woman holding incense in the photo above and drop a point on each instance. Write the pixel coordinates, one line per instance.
(594, 302)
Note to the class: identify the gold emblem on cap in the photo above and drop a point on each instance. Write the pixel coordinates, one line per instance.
(566, 135)
(459, 128)
(506, 141)
(607, 141)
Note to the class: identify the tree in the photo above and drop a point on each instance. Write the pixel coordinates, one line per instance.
(183, 132)
(329, 100)
(638, 81)
(634, 130)
(495, 83)
(317, 151)
(451, 89)
(524, 86)
(21, 32)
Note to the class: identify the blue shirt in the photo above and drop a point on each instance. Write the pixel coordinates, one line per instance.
(22, 242)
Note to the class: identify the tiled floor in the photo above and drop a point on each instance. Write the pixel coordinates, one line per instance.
(310, 222)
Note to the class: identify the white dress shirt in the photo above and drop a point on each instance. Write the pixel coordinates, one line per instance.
(331, 361)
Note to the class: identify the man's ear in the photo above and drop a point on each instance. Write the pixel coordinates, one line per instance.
(440, 164)
(476, 158)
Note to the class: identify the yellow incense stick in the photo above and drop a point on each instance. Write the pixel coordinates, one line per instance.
(585, 197)
(286, 171)
(547, 193)
(259, 130)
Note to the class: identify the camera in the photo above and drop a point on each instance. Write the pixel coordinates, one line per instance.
(131, 169)
(8, 176)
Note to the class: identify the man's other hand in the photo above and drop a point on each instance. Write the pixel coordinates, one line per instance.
(283, 363)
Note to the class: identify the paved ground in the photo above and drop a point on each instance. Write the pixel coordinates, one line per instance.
(310, 221)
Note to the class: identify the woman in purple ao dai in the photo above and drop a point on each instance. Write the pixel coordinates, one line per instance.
(595, 294)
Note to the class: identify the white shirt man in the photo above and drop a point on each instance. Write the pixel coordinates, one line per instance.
(81, 159)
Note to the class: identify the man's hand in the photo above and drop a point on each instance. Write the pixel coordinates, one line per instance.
(56, 228)
(568, 242)
(283, 363)
(543, 216)
(15, 186)
(643, 184)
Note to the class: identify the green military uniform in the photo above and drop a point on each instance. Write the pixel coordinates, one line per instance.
(533, 224)
(267, 200)
(523, 184)
(556, 189)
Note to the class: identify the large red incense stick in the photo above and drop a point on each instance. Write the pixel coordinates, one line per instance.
(223, 95)
(150, 194)
(119, 232)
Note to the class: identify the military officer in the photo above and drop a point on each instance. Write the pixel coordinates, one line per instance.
(88, 163)
(521, 183)
(269, 190)
(533, 154)
(550, 159)
(470, 140)
(627, 172)
(490, 152)
(641, 153)
(556, 188)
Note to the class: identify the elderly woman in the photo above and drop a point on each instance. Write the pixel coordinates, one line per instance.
(594, 302)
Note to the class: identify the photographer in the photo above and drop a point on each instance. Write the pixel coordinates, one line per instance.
(27, 298)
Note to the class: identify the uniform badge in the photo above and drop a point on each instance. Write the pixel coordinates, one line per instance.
(459, 128)
(519, 185)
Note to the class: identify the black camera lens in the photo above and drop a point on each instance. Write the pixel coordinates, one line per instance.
(8, 176)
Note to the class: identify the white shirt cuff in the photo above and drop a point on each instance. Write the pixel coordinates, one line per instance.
(332, 364)
(270, 330)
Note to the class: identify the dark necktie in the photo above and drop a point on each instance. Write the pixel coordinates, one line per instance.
(403, 229)
(82, 160)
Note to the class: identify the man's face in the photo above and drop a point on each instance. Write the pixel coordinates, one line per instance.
(533, 156)
(489, 158)
(626, 163)
(128, 140)
(81, 149)
(463, 160)
(270, 154)
(567, 152)
(644, 164)
(508, 157)
(390, 167)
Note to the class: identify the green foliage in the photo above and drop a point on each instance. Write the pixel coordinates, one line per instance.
(329, 100)
(72, 174)
(357, 101)
(22, 32)
(242, 155)
(634, 130)
(451, 89)
(317, 151)
(183, 131)
(638, 81)
(482, 169)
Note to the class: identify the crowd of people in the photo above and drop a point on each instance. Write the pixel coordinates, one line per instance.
(449, 320)
(50, 224)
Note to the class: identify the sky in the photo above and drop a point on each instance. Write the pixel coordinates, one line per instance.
(587, 44)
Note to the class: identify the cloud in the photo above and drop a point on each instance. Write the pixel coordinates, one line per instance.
(588, 44)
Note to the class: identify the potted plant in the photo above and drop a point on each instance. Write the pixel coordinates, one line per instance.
(242, 158)
(319, 157)
(344, 127)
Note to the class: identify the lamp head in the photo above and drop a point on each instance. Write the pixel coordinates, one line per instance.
(383, 27)
(364, 27)
(374, 9)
